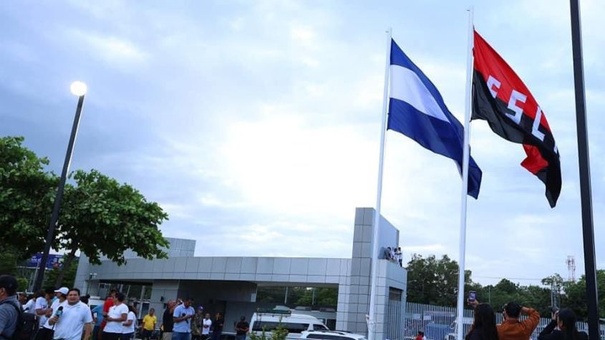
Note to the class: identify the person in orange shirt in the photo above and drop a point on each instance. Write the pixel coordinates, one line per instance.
(514, 329)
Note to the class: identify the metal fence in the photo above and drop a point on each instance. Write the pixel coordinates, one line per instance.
(395, 320)
(439, 323)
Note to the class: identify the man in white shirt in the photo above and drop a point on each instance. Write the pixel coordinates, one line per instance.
(206, 324)
(41, 306)
(46, 331)
(76, 317)
(399, 256)
(29, 306)
(182, 315)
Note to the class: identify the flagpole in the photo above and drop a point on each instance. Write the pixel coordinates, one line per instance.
(465, 165)
(370, 319)
(584, 169)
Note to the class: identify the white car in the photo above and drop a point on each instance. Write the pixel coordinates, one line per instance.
(269, 320)
(331, 335)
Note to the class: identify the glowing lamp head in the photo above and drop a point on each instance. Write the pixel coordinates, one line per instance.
(78, 88)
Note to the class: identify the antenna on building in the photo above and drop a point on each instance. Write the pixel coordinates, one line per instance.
(571, 268)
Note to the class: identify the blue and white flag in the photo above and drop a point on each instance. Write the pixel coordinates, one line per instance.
(417, 110)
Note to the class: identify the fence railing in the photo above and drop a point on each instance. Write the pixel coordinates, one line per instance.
(439, 323)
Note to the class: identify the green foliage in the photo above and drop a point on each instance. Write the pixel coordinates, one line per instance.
(98, 216)
(67, 274)
(8, 262)
(103, 217)
(298, 296)
(507, 286)
(323, 296)
(433, 281)
(279, 333)
(270, 294)
(575, 295)
(263, 336)
(26, 197)
(22, 284)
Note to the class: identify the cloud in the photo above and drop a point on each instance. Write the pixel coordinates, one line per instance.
(258, 123)
(114, 51)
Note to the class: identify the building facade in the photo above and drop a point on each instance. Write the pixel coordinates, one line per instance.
(229, 284)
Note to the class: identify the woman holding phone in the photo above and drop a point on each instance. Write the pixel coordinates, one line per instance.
(566, 320)
(484, 323)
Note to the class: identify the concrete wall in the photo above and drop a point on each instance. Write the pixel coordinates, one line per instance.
(228, 284)
(354, 300)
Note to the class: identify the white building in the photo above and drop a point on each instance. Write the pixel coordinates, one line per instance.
(229, 284)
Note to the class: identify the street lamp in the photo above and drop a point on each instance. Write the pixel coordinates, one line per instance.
(78, 88)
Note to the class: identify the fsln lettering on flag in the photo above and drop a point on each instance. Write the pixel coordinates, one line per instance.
(501, 98)
(417, 110)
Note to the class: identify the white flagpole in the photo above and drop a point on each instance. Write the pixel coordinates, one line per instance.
(371, 317)
(465, 165)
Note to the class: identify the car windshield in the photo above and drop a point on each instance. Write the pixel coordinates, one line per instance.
(292, 327)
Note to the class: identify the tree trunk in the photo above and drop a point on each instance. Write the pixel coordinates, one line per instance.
(68, 260)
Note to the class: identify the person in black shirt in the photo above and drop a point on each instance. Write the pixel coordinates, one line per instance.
(566, 321)
(217, 326)
(241, 328)
(168, 321)
(484, 324)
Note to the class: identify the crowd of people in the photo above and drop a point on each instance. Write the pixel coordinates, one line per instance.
(484, 327)
(181, 321)
(58, 314)
(63, 314)
(394, 254)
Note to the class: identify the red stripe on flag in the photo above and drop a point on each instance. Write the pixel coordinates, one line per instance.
(504, 81)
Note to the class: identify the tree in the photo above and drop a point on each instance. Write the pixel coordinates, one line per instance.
(435, 281)
(271, 294)
(68, 276)
(322, 296)
(8, 262)
(507, 286)
(26, 197)
(538, 298)
(575, 295)
(432, 281)
(101, 217)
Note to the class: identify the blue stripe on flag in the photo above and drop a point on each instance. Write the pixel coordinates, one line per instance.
(417, 110)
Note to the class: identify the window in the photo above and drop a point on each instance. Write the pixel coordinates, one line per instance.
(268, 326)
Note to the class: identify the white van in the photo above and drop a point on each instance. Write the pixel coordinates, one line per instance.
(94, 301)
(268, 320)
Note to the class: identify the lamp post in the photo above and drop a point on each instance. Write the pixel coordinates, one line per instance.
(78, 88)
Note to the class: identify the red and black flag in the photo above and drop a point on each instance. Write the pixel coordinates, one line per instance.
(501, 98)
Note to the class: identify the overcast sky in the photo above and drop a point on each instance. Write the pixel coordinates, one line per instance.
(256, 123)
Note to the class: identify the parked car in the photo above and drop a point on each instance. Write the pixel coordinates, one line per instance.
(331, 335)
(268, 320)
